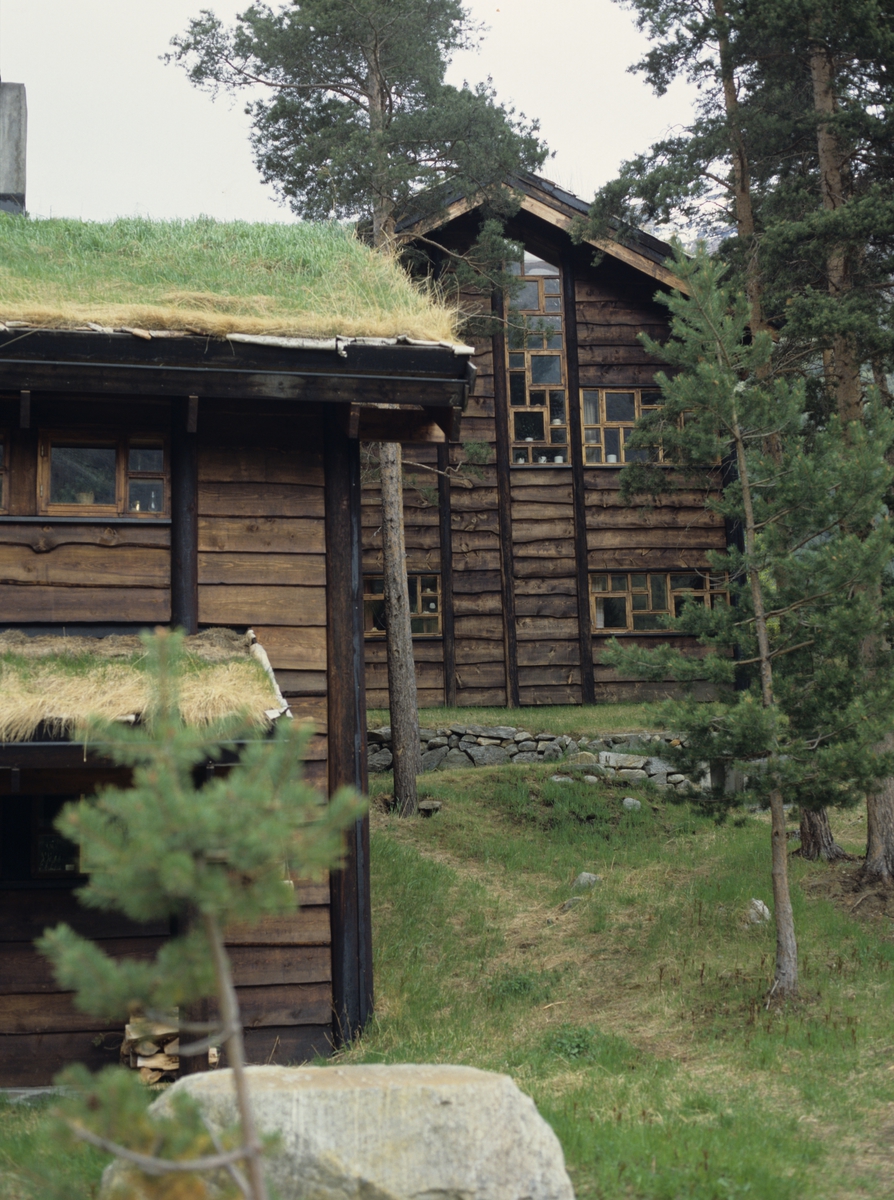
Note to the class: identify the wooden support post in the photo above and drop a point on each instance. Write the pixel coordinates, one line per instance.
(448, 636)
(192, 414)
(352, 988)
(184, 517)
(24, 410)
(581, 554)
(504, 503)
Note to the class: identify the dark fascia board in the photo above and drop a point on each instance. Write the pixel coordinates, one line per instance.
(542, 198)
(76, 361)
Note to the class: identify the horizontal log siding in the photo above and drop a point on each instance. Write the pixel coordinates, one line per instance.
(262, 556)
(282, 970)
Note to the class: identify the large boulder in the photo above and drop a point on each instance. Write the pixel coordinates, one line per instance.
(386, 1133)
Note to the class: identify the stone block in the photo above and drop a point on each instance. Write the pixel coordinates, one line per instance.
(487, 756)
(455, 758)
(526, 756)
(432, 759)
(634, 762)
(380, 761)
(379, 1131)
(552, 752)
(436, 741)
(632, 776)
(527, 747)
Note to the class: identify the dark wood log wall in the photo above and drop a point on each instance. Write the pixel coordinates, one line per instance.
(527, 638)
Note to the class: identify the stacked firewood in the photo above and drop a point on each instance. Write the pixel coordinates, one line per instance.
(153, 1049)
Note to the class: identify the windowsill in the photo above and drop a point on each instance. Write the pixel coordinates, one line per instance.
(627, 633)
(417, 637)
(538, 466)
(9, 519)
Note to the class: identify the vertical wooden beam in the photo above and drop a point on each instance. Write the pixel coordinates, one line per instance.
(184, 518)
(23, 452)
(584, 631)
(24, 410)
(352, 988)
(504, 503)
(448, 634)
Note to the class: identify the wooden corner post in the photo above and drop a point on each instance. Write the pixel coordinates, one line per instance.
(504, 504)
(184, 515)
(581, 554)
(352, 988)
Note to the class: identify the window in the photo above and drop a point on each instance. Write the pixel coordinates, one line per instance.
(622, 601)
(425, 604)
(30, 846)
(4, 471)
(538, 398)
(608, 419)
(115, 476)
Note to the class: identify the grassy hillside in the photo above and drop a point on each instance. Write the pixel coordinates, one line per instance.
(635, 1018)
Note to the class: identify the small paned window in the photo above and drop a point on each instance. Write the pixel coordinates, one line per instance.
(117, 476)
(425, 604)
(538, 398)
(608, 417)
(624, 601)
(4, 471)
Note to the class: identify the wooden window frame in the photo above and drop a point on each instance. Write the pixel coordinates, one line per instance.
(554, 448)
(415, 615)
(595, 452)
(4, 470)
(122, 443)
(714, 590)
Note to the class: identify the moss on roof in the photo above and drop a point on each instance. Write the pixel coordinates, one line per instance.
(57, 684)
(210, 277)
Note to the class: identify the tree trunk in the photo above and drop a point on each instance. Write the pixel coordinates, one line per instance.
(879, 864)
(401, 667)
(232, 1022)
(786, 980)
(817, 841)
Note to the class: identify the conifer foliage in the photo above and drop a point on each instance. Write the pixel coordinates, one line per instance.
(206, 854)
(801, 709)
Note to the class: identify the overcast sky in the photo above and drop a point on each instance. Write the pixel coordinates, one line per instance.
(113, 131)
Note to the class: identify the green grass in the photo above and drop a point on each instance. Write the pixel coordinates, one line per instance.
(637, 1019)
(576, 720)
(299, 279)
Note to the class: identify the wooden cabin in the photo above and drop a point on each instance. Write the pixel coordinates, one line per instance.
(521, 569)
(179, 475)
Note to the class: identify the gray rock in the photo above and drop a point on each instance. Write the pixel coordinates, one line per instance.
(571, 747)
(383, 1132)
(675, 779)
(453, 740)
(571, 902)
(459, 730)
(582, 756)
(552, 753)
(382, 734)
(630, 804)
(492, 731)
(656, 766)
(425, 735)
(634, 762)
(523, 736)
(544, 737)
(487, 756)
(526, 756)
(436, 741)
(586, 879)
(592, 779)
(511, 749)
(527, 746)
(455, 758)
(659, 779)
(380, 761)
(468, 740)
(758, 913)
(560, 779)
(632, 776)
(428, 808)
(488, 741)
(432, 759)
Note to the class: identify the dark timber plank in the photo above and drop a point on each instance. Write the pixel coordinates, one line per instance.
(501, 411)
(352, 984)
(184, 521)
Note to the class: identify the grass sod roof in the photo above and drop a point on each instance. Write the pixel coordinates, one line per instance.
(211, 278)
(53, 685)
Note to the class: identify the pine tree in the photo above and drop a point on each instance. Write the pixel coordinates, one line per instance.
(207, 856)
(361, 125)
(809, 704)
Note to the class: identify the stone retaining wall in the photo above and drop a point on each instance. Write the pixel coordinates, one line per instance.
(635, 757)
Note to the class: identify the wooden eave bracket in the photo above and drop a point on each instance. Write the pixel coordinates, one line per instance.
(398, 423)
(24, 410)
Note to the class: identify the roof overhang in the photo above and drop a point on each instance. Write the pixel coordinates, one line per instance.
(407, 391)
(556, 216)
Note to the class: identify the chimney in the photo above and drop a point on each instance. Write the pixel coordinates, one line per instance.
(13, 138)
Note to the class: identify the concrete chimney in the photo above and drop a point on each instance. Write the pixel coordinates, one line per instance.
(13, 140)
